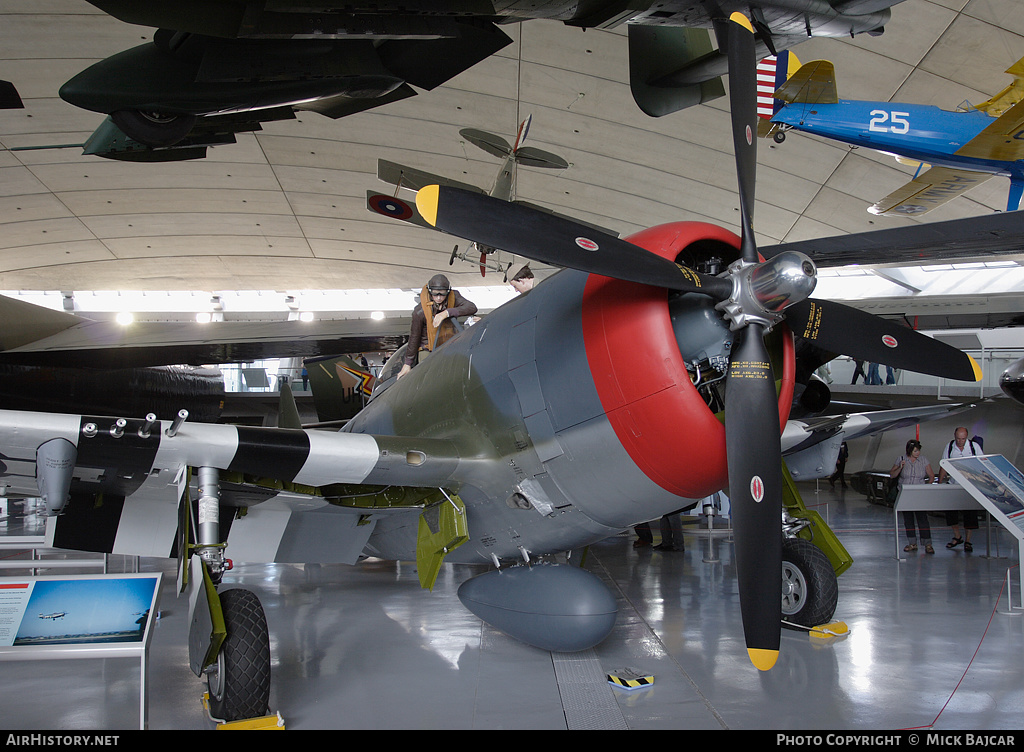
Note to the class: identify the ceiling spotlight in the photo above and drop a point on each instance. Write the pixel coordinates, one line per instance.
(377, 315)
(204, 317)
(306, 316)
(124, 318)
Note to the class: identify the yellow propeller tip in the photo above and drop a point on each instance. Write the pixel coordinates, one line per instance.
(742, 20)
(977, 369)
(426, 202)
(763, 659)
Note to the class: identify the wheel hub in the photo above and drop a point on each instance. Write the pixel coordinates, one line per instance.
(794, 589)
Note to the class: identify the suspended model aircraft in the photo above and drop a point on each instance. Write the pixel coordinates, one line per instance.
(504, 187)
(554, 422)
(208, 75)
(954, 150)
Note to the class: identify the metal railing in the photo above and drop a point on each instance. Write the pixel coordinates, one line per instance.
(993, 362)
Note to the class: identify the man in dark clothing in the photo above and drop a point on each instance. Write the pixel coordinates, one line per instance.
(429, 333)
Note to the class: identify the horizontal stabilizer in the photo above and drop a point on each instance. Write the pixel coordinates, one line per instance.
(1009, 96)
(414, 179)
(491, 143)
(999, 140)
(531, 157)
(814, 83)
(927, 191)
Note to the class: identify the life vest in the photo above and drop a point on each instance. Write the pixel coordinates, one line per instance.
(436, 336)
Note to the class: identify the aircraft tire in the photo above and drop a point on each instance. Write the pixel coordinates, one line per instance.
(810, 589)
(239, 682)
(778, 137)
(153, 128)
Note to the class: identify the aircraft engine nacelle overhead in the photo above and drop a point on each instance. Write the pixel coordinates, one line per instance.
(158, 93)
(591, 401)
(207, 67)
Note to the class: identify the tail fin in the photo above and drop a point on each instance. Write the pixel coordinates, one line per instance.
(524, 128)
(340, 386)
(288, 411)
(772, 73)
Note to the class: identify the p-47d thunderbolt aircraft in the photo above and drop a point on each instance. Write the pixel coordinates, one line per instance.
(954, 150)
(562, 417)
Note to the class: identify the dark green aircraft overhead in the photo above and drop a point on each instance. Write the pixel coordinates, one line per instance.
(218, 67)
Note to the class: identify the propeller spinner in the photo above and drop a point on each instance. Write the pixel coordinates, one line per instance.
(753, 296)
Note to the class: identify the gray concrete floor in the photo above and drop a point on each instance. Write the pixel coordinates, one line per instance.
(931, 644)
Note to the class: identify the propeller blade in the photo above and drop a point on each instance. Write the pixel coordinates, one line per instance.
(753, 449)
(555, 240)
(842, 329)
(753, 446)
(743, 105)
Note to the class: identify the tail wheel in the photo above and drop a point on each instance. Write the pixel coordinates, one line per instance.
(239, 681)
(810, 590)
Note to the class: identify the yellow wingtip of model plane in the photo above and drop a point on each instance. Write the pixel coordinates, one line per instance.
(762, 659)
(977, 369)
(426, 202)
(742, 20)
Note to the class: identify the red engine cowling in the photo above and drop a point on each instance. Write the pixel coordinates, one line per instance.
(656, 412)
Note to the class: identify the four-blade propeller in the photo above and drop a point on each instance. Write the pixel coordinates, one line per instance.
(753, 296)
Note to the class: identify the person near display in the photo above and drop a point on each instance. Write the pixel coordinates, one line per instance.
(874, 378)
(960, 446)
(913, 469)
(844, 455)
(671, 534)
(430, 332)
(858, 370)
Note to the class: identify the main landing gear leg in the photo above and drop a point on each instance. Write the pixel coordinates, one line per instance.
(228, 638)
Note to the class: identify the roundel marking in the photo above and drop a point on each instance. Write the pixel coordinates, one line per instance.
(889, 341)
(390, 207)
(749, 135)
(586, 244)
(757, 489)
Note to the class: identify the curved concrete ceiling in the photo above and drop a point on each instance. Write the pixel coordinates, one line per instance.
(286, 208)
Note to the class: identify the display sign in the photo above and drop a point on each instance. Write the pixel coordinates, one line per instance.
(78, 610)
(996, 484)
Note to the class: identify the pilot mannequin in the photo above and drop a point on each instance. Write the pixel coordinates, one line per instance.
(430, 332)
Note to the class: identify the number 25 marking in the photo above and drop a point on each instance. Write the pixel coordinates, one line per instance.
(898, 120)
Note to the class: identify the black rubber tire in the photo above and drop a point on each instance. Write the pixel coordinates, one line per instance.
(810, 589)
(239, 683)
(778, 137)
(153, 128)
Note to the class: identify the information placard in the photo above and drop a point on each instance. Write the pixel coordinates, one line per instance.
(93, 610)
(995, 484)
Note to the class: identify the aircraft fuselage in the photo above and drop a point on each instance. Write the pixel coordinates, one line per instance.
(576, 406)
(923, 133)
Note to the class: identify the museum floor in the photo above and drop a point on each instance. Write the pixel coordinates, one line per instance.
(930, 645)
